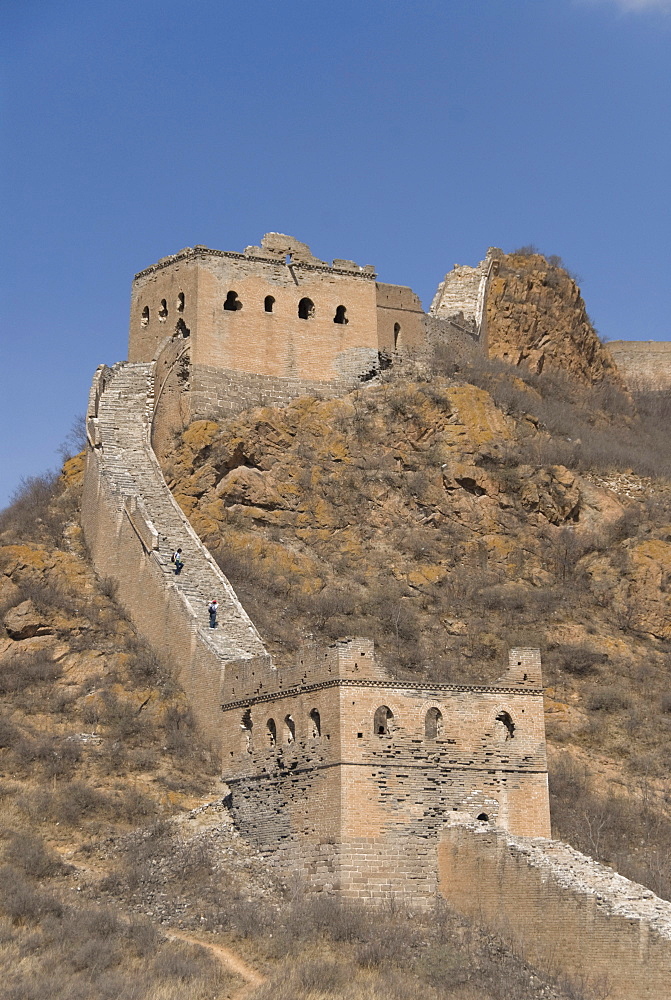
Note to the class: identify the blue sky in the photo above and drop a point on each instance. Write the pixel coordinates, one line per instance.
(409, 135)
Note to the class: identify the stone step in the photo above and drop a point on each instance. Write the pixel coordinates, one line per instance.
(130, 469)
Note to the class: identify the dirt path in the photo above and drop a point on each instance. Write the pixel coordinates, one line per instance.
(227, 958)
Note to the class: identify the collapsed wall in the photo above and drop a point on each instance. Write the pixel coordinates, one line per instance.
(462, 295)
(562, 911)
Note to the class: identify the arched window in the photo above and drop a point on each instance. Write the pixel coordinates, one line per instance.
(483, 818)
(382, 721)
(268, 303)
(397, 334)
(145, 316)
(505, 726)
(246, 726)
(433, 724)
(232, 303)
(180, 302)
(340, 315)
(272, 731)
(289, 729)
(316, 722)
(306, 309)
(163, 311)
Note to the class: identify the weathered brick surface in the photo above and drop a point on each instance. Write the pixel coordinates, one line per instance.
(382, 797)
(462, 294)
(561, 910)
(645, 364)
(132, 524)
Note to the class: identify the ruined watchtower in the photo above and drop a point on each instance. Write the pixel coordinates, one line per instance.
(347, 777)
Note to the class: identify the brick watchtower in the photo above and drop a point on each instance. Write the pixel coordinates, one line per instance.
(348, 777)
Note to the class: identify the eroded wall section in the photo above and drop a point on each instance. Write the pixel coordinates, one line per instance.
(564, 912)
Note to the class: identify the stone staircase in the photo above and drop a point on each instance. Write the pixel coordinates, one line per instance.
(134, 479)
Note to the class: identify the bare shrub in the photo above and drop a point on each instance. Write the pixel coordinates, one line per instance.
(29, 506)
(121, 716)
(183, 962)
(109, 587)
(579, 659)
(179, 725)
(76, 438)
(20, 901)
(608, 698)
(29, 853)
(27, 670)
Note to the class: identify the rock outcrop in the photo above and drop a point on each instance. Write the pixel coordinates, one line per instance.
(536, 317)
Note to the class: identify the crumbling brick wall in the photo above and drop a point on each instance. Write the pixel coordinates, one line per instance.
(564, 912)
(334, 753)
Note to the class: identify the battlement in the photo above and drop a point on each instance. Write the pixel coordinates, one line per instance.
(293, 253)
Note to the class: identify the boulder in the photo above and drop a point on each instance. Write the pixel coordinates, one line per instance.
(25, 621)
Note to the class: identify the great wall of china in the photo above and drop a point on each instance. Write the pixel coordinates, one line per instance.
(363, 785)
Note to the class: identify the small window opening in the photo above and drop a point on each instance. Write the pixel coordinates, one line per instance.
(397, 333)
(316, 722)
(289, 729)
(180, 302)
(306, 309)
(163, 311)
(483, 818)
(246, 726)
(508, 725)
(181, 329)
(433, 724)
(232, 303)
(268, 303)
(340, 315)
(145, 316)
(382, 721)
(272, 731)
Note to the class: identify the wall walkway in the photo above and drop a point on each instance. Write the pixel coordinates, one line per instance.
(132, 525)
(564, 912)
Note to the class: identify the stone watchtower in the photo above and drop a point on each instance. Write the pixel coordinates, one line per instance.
(335, 770)
(347, 777)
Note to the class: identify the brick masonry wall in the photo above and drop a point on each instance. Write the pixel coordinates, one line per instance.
(131, 525)
(218, 393)
(645, 364)
(382, 798)
(172, 399)
(462, 295)
(398, 306)
(178, 278)
(564, 912)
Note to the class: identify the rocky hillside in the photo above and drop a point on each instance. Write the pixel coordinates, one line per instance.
(451, 516)
(536, 317)
(120, 872)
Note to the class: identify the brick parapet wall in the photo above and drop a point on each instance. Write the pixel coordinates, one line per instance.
(131, 524)
(217, 393)
(644, 364)
(564, 912)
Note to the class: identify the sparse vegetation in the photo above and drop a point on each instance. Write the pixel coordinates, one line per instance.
(448, 518)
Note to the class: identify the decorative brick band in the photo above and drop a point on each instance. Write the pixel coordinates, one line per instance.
(354, 682)
(386, 765)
